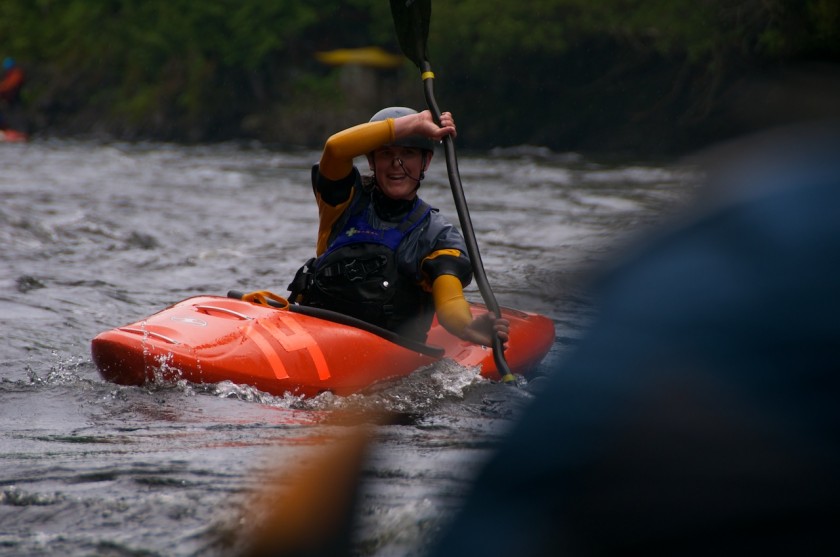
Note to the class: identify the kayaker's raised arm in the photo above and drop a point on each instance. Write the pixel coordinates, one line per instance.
(341, 148)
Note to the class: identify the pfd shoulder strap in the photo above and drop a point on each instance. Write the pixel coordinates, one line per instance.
(421, 209)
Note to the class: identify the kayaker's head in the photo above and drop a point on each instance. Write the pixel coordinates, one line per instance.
(399, 167)
(8, 63)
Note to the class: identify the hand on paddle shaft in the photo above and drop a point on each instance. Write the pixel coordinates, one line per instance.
(485, 327)
(411, 19)
(423, 123)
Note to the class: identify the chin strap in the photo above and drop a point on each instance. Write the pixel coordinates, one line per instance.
(417, 179)
(422, 171)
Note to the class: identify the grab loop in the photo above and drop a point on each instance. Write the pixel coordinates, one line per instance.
(262, 297)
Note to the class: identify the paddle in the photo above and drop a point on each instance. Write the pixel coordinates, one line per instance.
(411, 19)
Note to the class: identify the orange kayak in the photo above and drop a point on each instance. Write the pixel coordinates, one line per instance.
(299, 350)
(12, 136)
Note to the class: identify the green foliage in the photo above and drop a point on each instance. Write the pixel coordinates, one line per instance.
(180, 68)
(695, 30)
(563, 66)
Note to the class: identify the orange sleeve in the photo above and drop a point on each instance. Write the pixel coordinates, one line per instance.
(342, 147)
(453, 310)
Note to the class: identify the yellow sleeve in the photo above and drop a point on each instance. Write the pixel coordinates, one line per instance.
(337, 163)
(432, 270)
(328, 215)
(342, 147)
(453, 310)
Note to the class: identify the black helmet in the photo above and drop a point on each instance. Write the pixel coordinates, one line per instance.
(416, 141)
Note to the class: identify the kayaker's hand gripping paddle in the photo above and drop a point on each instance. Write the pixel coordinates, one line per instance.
(411, 18)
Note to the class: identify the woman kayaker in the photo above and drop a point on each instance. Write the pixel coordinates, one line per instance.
(383, 255)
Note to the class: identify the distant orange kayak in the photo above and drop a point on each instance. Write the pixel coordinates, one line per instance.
(303, 351)
(12, 136)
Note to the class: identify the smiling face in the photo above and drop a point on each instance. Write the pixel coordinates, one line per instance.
(398, 170)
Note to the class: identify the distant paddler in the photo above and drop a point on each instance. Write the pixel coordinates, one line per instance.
(11, 82)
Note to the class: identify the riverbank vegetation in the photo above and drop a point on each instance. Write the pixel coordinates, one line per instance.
(654, 76)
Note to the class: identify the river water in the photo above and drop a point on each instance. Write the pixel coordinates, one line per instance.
(95, 236)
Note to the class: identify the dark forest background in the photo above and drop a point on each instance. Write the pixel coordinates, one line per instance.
(653, 77)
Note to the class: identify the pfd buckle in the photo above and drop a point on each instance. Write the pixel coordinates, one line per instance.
(354, 270)
(301, 282)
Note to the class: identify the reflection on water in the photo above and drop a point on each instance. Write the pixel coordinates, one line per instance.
(96, 236)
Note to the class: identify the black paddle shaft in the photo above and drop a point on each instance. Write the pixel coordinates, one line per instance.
(466, 222)
(411, 19)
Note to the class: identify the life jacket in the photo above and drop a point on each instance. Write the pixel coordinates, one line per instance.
(358, 275)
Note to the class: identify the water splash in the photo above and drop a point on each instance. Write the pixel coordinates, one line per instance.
(63, 371)
(419, 392)
(247, 393)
